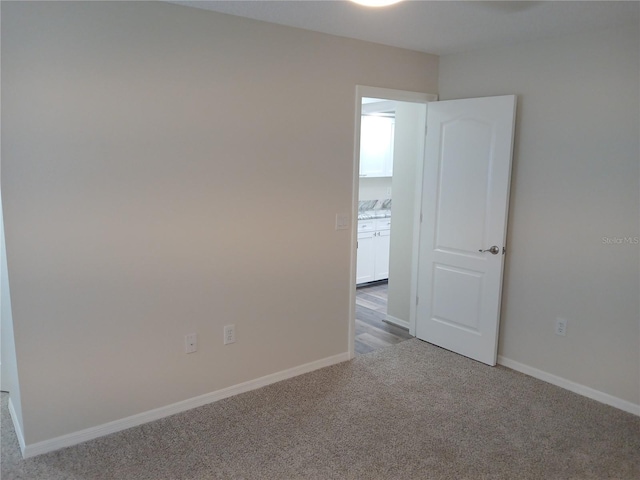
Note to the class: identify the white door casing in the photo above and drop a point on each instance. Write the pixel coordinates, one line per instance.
(467, 175)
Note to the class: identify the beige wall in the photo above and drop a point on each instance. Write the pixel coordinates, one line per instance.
(408, 152)
(168, 170)
(575, 181)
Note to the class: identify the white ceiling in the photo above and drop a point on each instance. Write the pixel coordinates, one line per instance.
(438, 27)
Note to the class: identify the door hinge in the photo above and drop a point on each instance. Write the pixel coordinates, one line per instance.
(420, 217)
(417, 300)
(504, 250)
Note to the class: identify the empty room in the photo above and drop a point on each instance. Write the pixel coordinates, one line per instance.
(182, 240)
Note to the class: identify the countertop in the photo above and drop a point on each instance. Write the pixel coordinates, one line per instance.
(371, 214)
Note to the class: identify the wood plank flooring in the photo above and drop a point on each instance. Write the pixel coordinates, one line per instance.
(372, 332)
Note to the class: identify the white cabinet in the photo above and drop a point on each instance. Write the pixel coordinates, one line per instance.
(365, 258)
(381, 245)
(373, 250)
(376, 146)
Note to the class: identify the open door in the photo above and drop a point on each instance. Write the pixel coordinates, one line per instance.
(467, 175)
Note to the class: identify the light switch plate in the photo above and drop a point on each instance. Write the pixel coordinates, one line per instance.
(342, 221)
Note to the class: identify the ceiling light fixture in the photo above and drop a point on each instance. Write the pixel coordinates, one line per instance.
(376, 3)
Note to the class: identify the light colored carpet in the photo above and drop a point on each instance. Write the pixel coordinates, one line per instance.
(410, 411)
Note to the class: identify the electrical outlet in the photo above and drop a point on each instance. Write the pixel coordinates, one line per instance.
(190, 343)
(561, 326)
(229, 334)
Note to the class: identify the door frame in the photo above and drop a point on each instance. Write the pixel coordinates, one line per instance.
(401, 96)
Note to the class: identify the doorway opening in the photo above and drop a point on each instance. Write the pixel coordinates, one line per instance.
(373, 331)
(389, 156)
(452, 240)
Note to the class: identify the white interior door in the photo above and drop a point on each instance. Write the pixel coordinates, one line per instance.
(465, 201)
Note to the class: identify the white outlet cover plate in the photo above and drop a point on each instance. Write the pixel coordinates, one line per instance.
(561, 326)
(229, 334)
(190, 343)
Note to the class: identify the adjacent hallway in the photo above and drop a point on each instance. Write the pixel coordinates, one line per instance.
(372, 332)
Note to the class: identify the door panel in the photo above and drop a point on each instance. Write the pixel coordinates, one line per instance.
(465, 201)
(460, 219)
(448, 284)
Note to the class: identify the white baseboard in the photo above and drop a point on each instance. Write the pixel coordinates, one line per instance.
(572, 386)
(162, 412)
(396, 321)
(16, 425)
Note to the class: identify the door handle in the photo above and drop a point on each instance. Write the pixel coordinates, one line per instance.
(494, 250)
